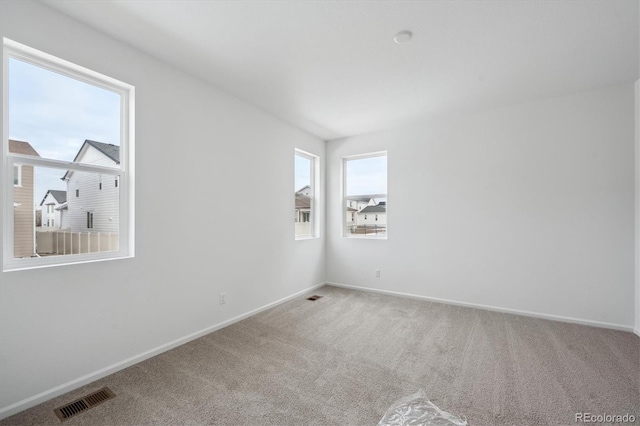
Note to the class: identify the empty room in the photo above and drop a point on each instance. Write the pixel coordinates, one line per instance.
(320, 212)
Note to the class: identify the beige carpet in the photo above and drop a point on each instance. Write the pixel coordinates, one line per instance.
(345, 358)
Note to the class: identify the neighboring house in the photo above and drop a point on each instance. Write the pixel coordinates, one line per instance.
(355, 205)
(24, 225)
(92, 199)
(303, 204)
(49, 205)
(373, 215)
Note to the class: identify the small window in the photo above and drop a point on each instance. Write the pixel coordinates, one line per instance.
(17, 175)
(305, 197)
(365, 187)
(51, 150)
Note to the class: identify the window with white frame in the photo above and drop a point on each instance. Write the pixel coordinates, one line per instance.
(305, 197)
(54, 150)
(365, 196)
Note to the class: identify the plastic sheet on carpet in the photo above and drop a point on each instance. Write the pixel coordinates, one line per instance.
(417, 410)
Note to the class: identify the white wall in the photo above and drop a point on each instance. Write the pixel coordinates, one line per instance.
(529, 208)
(200, 149)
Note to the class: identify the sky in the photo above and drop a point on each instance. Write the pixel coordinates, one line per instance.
(55, 114)
(366, 176)
(303, 173)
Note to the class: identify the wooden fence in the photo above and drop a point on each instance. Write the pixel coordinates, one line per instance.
(67, 242)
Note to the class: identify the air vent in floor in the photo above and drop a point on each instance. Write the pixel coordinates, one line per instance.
(314, 297)
(83, 404)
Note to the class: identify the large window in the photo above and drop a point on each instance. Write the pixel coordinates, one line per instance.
(305, 187)
(365, 196)
(67, 130)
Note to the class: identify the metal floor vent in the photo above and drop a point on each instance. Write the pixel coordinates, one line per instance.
(83, 404)
(314, 297)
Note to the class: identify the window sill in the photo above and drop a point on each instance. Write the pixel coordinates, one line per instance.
(306, 237)
(363, 237)
(26, 264)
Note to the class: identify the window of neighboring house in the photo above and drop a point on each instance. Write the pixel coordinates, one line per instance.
(17, 175)
(365, 185)
(52, 150)
(306, 178)
(53, 222)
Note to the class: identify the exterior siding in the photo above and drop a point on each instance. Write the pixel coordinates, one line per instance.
(23, 215)
(103, 203)
(371, 219)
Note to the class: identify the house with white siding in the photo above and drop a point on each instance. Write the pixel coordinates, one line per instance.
(354, 206)
(92, 198)
(373, 215)
(50, 204)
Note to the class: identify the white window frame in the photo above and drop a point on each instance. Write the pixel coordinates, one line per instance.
(124, 172)
(344, 203)
(314, 161)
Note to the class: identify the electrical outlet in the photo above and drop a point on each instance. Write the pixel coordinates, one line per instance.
(223, 298)
(377, 273)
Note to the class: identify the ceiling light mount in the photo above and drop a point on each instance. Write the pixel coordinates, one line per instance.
(403, 37)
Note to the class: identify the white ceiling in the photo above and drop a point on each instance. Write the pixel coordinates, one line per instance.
(332, 68)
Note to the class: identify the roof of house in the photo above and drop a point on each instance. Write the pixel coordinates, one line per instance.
(60, 196)
(303, 188)
(110, 150)
(364, 198)
(21, 147)
(374, 209)
(302, 201)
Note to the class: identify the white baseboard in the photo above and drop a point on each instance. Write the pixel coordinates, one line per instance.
(637, 332)
(492, 308)
(91, 377)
